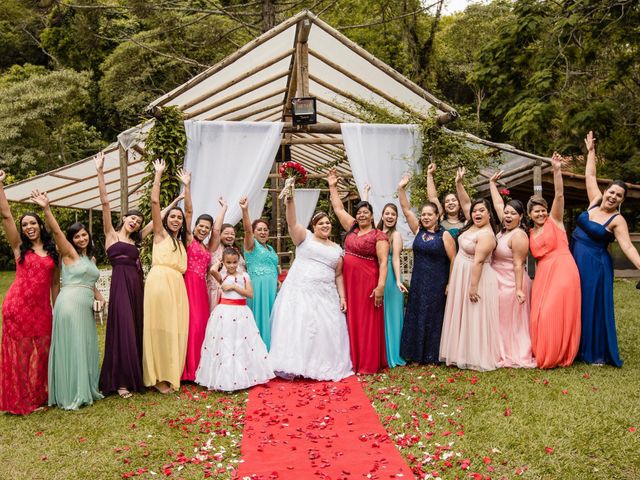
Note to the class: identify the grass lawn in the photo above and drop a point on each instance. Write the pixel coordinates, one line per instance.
(572, 423)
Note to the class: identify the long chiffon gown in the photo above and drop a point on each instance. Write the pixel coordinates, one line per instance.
(74, 360)
(471, 330)
(589, 244)
(234, 356)
(195, 280)
(212, 284)
(122, 364)
(309, 335)
(365, 321)
(26, 336)
(514, 316)
(393, 317)
(262, 265)
(555, 299)
(166, 315)
(425, 305)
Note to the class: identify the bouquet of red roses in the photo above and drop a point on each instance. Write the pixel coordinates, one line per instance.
(293, 173)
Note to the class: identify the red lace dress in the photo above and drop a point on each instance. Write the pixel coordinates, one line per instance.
(365, 321)
(26, 335)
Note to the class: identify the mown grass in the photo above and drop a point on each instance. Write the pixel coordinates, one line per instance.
(574, 423)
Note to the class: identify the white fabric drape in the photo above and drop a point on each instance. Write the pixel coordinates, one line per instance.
(380, 155)
(256, 204)
(229, 159)
(306, 201)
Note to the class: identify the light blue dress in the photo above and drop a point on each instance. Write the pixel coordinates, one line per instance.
(393, 317)
(74, 361)
(262, 266)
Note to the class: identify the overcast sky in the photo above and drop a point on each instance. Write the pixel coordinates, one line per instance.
(451, 6)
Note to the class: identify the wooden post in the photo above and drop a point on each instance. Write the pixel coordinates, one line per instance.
(124, 180)
(91, 222)
(537, 179)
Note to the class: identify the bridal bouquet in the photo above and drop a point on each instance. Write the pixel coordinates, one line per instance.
(293, 173)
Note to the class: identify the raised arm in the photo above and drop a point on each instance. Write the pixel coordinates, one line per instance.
(557, 207)
(412, 220)
(214, 239)
(296, 231)
(396, 249)
(156, 215)
(463, 196)
(185, 178)
(520, 250)
(485, 245)
(64, 247)
(148, 228)
(591, 179)
(8, 223)
(432, 191)
(498, 202)
(246, 225)
(366, 190)
(621, 231)
(109, 232)
(344, 218)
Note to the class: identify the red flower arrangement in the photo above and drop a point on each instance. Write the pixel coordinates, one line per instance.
(295, 170)
(505, 192)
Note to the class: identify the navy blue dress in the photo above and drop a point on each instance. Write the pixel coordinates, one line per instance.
(425, 307)
(589, 243)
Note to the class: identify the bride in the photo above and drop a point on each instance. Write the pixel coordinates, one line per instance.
(309, 330)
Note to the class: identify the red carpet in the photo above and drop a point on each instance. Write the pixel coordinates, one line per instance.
(307, 430)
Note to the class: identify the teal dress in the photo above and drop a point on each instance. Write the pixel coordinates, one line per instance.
(262, 266)
(393, 317)
(74, 361)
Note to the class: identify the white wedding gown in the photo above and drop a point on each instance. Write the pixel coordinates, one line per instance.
(309, 332)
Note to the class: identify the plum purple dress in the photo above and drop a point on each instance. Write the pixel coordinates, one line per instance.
(471, 330)
(122, 364)
(195, 280)
(514, 316)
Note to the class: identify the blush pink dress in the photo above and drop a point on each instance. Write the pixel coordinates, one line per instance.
(471, 331)
(514, 316)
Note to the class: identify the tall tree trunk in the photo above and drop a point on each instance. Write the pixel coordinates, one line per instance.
(427, 48)
(268, 15)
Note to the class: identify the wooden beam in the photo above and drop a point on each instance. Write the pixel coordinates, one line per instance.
(339, 107)
(239, 78)
(94, 187)
(269, 114)
(124, 177)
(254, 112)
(313, 141)
(386, 68)
(333, 128)
(227, 61)
(233, 96)
(537, 179)
(253, 101)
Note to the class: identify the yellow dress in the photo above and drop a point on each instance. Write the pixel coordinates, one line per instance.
(166, 315)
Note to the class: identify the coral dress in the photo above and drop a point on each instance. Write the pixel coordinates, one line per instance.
(471, 330)
(589, 243)
(212, 284)
(393, 317)
(425, 306)
(195, 280)
(262, 265)
(26, 336)
(74, 359)
(365, 321)
(234, 356)
(514, 316)
(122, 364)
(166, 315)
(555, 299)
(309, 336)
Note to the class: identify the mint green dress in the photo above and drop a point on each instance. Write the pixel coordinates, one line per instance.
(74, 361)
(262, 266)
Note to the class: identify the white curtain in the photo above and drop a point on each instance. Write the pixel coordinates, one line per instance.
(380, 155)
(306, 201)
(229, 159)
(256, 205)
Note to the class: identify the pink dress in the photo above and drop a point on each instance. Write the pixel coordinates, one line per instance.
(212, 284)
(514, 316)
(471, 331)
(195, 280)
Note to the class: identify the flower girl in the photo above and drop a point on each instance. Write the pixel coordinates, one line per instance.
(233, 355)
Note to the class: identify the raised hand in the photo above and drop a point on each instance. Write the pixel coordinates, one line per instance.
(366, 188)
(590, 142)
(431, 169)
(184, 176)
(496, 176)
(460, 174)
(99, 161)
(556, 161)
(222, 202)
(159, 165)
(3, 175)
(332, 178)
(404, 181)
(40, 198)
(244, 202)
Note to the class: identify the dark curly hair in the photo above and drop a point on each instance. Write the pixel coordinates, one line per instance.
(73, 230)
(135, 236)
(182, 233)
(47, 241)
(489, 208)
